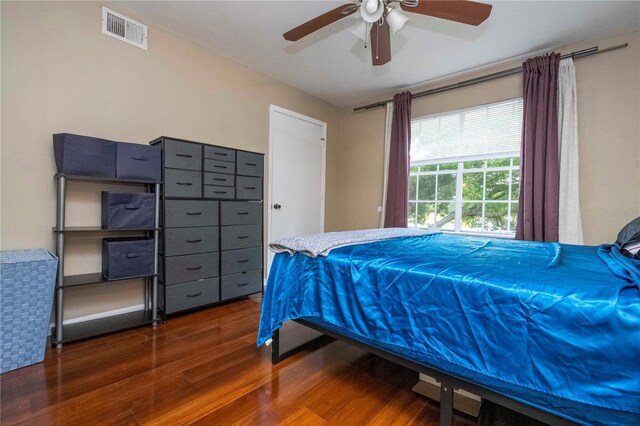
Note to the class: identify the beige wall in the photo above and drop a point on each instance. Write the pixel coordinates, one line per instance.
(609, 130)
(61, 74)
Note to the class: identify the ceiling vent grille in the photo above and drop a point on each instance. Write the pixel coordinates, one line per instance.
(123, 28)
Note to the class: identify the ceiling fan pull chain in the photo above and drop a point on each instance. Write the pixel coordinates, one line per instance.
(379, 23)
(366, 34)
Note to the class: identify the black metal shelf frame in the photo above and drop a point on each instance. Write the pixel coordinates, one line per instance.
(106, 179)
(94, 229)
(66, 333)
(107, 325)
(97, 278)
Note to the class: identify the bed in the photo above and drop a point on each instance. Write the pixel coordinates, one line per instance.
(540, 327)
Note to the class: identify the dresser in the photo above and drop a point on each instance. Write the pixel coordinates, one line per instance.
(211, 247)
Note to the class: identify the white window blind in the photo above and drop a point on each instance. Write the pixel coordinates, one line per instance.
(486, 131)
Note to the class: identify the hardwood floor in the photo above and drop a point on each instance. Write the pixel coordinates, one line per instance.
(204, 368)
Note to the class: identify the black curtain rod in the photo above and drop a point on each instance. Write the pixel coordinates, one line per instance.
(579, 54)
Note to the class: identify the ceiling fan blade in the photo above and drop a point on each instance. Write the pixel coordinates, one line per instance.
(466, 12)
(380, 43)
(320, 22)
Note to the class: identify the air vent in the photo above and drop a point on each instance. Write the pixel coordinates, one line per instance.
(123, 28)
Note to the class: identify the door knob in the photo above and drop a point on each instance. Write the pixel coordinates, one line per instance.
(277, 206)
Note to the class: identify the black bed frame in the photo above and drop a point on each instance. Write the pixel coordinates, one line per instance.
(447, 382)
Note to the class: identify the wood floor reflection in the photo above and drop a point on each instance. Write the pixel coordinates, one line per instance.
(204, 368)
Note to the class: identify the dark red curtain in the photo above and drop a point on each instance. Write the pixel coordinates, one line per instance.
(398, 179)
(539, 164)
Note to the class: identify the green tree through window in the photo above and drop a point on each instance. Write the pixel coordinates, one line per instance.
(464, 174)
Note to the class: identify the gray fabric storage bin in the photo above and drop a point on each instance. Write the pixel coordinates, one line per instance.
(128, 211)
(139, 162)
(127, 257)
(84, 155)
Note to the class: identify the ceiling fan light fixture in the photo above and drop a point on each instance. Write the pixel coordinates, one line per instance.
(377, 12)
(372, 6)
(396, 20)
(360, 30)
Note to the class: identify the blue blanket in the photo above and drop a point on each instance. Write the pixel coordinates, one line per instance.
(554, 326)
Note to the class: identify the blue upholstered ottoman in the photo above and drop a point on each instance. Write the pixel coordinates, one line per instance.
(27, 281)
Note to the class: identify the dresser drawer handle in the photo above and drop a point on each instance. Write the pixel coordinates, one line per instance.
(242, 213)
(221, 153)
(184, 183)
(217, 166)
(243, 284)
(251, 164)
(194, 295)
(139, 158)
(195, 241)
(195, 268)
(194, 213)
(131, 207)
(243, 261)
(132, 255)
(184, 155)
(242, 237)
(220, 192)
(249, 187)
(220, 179)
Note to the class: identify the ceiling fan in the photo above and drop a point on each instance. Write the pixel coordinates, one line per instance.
(384, 17)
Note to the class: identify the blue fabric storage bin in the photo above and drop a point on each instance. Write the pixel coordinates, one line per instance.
(128, 211)
(84, 155)
(127, 257)
(140, 162)
(27, 281)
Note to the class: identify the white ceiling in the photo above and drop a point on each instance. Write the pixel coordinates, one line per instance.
(333, 64)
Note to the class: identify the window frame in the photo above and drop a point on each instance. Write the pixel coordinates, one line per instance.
(459, 173)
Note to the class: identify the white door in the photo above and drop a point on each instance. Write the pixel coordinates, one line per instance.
(296, 175)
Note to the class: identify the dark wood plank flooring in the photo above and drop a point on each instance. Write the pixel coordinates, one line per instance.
(204, 368)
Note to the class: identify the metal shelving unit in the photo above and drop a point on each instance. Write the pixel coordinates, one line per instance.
(70, 332)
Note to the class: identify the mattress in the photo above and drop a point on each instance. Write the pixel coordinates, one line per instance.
(554, 326)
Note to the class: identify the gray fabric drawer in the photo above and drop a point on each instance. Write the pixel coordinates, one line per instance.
(250, 164)
(242, 260)
(240, 236)
(189, 295)
(219, 179)
(180, 269)
(127, 257)
(241, 284)
(181, 241)
(218, 153)
(240, 213)
(218, 166)
(182, 183)
(187, 213)
(249, 188)
(214, 191)
(182, 155)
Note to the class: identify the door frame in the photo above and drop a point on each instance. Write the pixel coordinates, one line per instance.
(273, 109)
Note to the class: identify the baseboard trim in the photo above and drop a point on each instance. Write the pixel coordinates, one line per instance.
(100, 315)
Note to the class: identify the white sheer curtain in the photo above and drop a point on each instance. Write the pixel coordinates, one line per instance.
(569, 221)
(387, 144)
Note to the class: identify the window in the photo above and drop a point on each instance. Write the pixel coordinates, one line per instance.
(464, 174)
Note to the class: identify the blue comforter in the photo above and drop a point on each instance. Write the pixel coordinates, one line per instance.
(555, 326)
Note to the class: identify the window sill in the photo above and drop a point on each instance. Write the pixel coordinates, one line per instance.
(482, 234)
